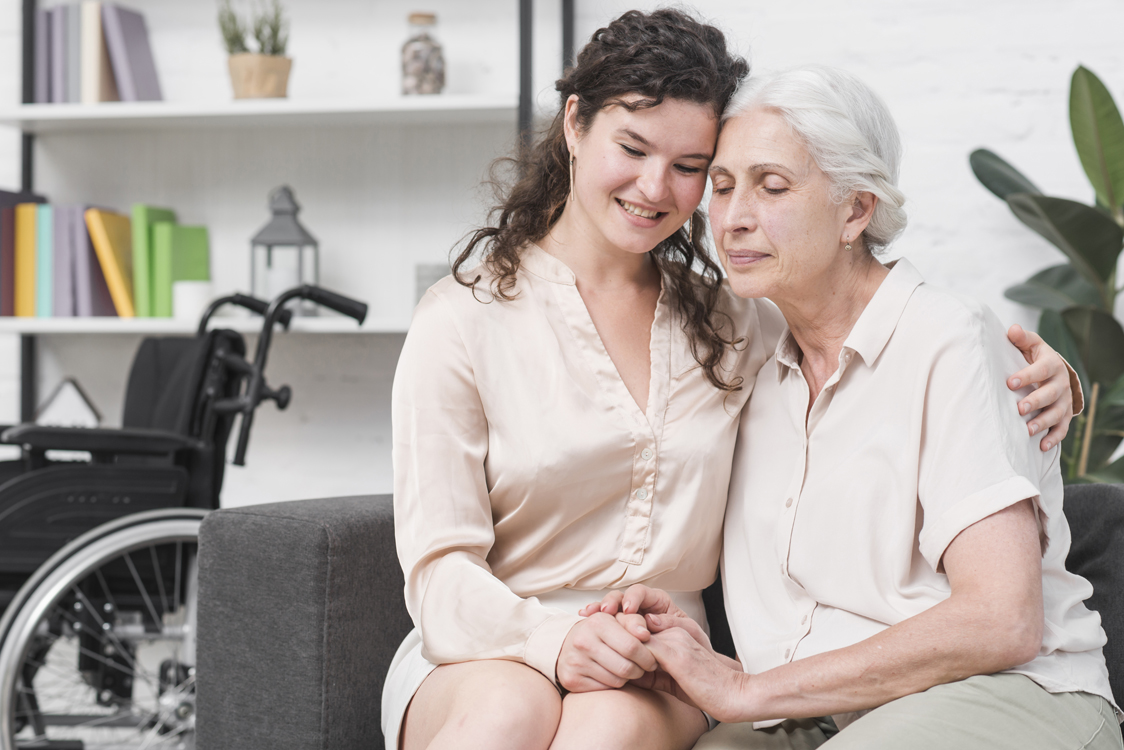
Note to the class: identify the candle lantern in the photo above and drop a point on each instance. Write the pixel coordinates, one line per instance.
(283, 254)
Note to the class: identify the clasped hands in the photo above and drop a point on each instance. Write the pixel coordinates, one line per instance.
(640, 637)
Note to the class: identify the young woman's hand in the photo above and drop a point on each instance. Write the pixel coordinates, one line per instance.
(603, 652)
(1055, 384)
(637, 599)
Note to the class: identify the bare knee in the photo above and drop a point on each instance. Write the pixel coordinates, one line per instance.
(629, 717)
(491, 705)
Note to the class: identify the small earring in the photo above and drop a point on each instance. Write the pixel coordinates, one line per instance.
(571, 178)
(847, 247)
(690, 226)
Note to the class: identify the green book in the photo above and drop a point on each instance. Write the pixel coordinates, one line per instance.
(179, 253)
(143, 219)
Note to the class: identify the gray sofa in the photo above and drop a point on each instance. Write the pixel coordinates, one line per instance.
(301, 611)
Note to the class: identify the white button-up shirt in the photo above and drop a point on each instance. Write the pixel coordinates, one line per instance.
(839, 516)
(522, 464)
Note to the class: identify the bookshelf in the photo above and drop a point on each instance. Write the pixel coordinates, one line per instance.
(384, 180)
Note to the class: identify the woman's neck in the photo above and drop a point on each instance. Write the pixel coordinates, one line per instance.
(821, 315)
(595, 262)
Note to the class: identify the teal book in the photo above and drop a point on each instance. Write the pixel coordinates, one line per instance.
(144, 217)
(179, 253)
(44, 260)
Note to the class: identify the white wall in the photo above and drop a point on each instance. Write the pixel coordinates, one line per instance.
(958, 74)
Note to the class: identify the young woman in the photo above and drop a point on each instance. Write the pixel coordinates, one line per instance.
(565, 414)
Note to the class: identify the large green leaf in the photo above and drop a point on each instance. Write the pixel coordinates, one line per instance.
(1090, 240)
(1100, 340)
(1098, 133)
(1053, 330)
(1114, 396)
(1111, 474)
(998, 176)
(1055, 288)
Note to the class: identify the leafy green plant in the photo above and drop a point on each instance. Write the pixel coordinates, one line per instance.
(270, 28)
(1078, 298)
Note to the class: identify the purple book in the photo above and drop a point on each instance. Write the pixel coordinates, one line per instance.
(91, 293)
(130, 54)
(58, 65)
(42, 56)
(62, 296)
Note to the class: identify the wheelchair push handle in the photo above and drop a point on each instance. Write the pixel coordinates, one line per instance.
(256, 388)
(261, 307)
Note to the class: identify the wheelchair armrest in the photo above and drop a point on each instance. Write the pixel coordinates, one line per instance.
(97, 440)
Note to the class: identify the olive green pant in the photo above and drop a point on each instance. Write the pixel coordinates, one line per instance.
(989, 711)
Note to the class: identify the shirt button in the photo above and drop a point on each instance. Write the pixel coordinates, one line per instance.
(782, 569)
(804, 619)
(646, 454)
(787, 653)
(788, 503)
(641, 494)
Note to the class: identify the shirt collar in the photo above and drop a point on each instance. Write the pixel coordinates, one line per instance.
(875, 325)
(539, 262)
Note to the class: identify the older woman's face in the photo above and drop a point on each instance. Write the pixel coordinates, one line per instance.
(775, 225)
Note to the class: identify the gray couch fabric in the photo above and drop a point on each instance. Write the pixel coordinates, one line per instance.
(300, 613)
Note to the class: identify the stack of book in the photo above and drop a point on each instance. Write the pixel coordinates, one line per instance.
(92, 52)
(79, 260)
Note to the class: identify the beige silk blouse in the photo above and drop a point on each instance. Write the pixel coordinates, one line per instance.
(522, 465)
(836, 526)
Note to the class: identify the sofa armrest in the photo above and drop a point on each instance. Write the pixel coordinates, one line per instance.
(300, 613)
(97, 440)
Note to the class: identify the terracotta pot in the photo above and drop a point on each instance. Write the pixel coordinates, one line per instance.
(255, 76)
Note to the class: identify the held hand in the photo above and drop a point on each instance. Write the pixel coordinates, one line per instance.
(1054, 394)
(637, 599)
(603, 652)
(695, 675)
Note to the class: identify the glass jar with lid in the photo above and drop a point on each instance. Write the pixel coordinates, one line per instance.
(423, 61)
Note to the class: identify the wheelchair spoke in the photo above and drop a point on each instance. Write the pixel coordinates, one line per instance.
(179, 570)
(105, 589)
(159, 582)
(143, 591)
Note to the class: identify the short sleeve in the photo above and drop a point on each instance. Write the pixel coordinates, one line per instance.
(976, 455)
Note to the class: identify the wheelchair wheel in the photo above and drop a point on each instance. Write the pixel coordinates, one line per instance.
(98, 648)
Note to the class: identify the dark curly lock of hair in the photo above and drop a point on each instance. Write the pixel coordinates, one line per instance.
(661, 55)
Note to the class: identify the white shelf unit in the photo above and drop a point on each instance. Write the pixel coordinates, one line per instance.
(170, 326)
(453, 109)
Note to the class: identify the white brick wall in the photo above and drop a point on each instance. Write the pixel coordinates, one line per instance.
(958, 74)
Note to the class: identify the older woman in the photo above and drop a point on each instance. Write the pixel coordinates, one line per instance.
(894, 555)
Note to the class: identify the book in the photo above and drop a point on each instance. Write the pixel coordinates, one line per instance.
(27, 215)
(44, 260)
(91, 292)
(62, 295)
(143, 219)
(130, 52)
(73, 54)
(112, 240)
(96, 77)
(179, 253)
(60, 27)
(7, 260)
(42, 56)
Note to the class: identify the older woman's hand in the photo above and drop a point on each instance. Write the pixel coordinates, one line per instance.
(1056, 387)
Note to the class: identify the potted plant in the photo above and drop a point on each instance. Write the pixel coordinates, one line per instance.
(1078, 298)
(263, 73)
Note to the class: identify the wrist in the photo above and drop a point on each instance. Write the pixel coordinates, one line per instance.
(743, 697)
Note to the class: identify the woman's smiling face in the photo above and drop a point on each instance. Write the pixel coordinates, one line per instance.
(776, 227)
(639, 175)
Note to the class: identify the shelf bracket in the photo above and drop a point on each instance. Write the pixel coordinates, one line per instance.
(526, 104)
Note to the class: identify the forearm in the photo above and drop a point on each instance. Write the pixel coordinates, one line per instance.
(952, 641)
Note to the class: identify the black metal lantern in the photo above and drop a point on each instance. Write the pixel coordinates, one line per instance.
(283, 254)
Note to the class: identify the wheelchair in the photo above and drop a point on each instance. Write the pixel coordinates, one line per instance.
(98, 572)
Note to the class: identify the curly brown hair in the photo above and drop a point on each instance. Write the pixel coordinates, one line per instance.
(661, 55)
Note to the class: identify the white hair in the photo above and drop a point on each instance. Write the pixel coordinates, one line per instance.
(847, 130)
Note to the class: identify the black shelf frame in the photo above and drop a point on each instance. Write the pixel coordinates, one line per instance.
(28, 344)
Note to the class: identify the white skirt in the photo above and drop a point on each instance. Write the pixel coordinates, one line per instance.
(409, 668)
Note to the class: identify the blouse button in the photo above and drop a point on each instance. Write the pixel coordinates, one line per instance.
(788, 503)
(641, 494)
(646, 454)
(804, 619)
(787, 653)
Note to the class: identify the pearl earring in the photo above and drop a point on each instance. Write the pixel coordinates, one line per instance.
(847, 247)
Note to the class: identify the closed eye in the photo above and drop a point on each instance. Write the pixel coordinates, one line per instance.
(685, 169)
(631, 151)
